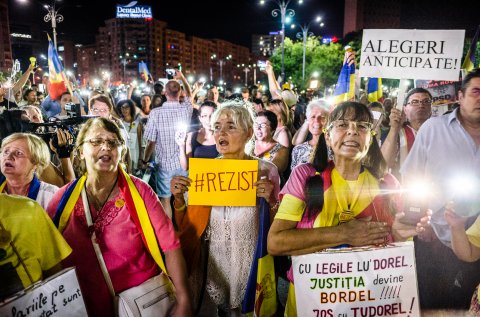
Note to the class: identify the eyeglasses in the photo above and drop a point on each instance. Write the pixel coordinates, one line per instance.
(344, 125)
(110, 143)
(262, 125)
(97, 110)
(15, 153)
(424, 102)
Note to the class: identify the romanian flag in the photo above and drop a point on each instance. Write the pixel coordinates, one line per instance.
(143, 70)
(345, 88)
(374, 89)
(469, 62)
(55, 69)
(261, 294)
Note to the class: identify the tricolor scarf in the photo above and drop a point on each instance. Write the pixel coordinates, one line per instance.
(135, 205)
(368, 198)
(406, 139)
(33, 190)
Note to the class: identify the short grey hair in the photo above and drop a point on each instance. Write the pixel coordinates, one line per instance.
(317, 103)
(240, 111)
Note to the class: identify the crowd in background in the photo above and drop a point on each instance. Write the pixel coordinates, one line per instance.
(323, 172)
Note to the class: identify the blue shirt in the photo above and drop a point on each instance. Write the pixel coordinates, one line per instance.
(447, 156)
(52, 107)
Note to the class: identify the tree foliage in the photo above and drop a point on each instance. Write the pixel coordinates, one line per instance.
(324, 59)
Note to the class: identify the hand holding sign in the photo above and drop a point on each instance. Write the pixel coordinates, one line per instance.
(264, 188)
(224, 182)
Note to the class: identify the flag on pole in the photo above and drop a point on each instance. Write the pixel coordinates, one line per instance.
(55, 69)
(143, 70)
(261, 293)
(345, 88)
(470, 61)
(374, 89)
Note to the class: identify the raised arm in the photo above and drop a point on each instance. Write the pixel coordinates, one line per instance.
(390, 145)
(179, 75)
(273, 85)
(23, 79)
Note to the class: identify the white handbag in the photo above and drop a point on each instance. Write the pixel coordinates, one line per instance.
(153, 298)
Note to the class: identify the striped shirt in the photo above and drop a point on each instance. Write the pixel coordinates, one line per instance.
(162, 124)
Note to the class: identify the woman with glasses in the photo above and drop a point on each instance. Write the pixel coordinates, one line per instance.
(199, 144)
(112, 198)
(23, 158)
(265, 146)
(232, 231)
(316, 117)
(102, 106)
(327, 204)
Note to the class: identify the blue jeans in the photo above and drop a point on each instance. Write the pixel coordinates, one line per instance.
(163, 179)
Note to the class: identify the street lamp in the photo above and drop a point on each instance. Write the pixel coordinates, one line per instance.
(54, 17)
(284, 14)
(221, 62)
(304, 35)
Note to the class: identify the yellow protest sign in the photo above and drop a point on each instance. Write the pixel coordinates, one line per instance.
(222, 182)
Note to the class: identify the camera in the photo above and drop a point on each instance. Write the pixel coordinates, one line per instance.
(73, 110)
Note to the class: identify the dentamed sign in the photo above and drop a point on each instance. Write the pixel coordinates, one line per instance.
(413, 54)
(221, 182)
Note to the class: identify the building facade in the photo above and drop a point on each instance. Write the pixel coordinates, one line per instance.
(6, 58)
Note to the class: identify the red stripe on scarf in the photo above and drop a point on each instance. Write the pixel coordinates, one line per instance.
(123, 185)
(409, 136)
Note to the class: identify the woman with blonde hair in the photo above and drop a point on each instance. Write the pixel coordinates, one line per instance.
(232, 231)
(23, 157)
(112, 199)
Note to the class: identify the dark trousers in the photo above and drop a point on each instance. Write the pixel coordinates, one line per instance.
(443, 280)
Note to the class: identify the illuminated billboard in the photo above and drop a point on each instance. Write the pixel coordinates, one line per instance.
(134, 11)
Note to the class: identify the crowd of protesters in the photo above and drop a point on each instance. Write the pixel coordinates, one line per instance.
(332, 176)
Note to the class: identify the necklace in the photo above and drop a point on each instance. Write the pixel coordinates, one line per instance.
(106, 199)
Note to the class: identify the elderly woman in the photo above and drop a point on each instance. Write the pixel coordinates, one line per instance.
(109, 193)
(327, 204)
(265, 146)
(231, 231)
(23, 157)
(102, 106)
(317, 113)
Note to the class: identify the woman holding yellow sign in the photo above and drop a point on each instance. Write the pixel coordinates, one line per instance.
(232, 231)
(328, 204)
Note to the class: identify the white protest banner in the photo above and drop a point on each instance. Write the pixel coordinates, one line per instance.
(59, 295)
(415, 54)
(357, 282)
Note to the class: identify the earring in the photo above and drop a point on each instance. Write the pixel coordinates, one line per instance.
(329, 153)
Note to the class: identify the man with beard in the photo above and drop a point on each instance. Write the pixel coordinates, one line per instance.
(417, 108)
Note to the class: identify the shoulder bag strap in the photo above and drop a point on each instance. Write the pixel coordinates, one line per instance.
(96, 247)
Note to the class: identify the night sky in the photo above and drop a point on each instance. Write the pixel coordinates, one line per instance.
(232, 20)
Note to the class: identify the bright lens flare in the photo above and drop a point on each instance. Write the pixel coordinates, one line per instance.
(419, 189)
